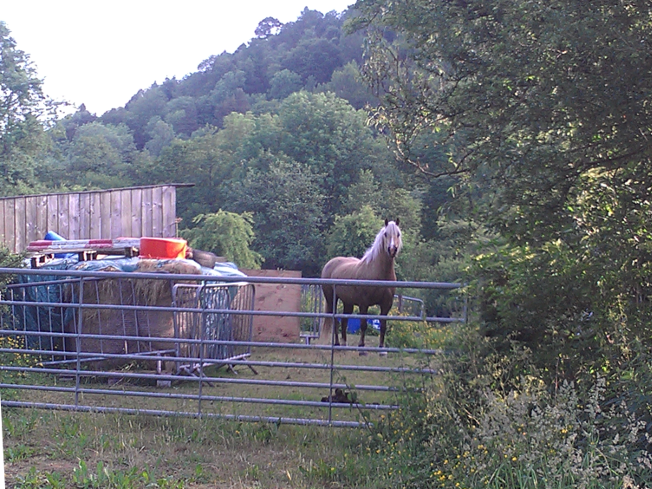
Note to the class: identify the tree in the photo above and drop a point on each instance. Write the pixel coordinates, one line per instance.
(201, 161)
(365, 192)
(24, 110)
(329, 136)
(346, 83)
(226, 234)
(181, 114)
(315, 58)
(542, 109)
(161, 135)
(352, 234)
(284, 83)
(140, 110)
(101, 156)
(269, 26)
(287, 205)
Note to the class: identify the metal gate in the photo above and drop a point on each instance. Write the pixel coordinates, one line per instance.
(68, 342)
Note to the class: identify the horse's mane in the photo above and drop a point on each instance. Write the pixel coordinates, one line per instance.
(372, 253)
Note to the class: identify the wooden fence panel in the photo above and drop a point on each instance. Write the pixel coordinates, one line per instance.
(31, 218)
(146, 216)
(103, 214)
(94, 216)
(19, 223)
(53, 213)
(41, 217)
(63, 215)
(84, 215)
(157, 211)
(74, 220)
(136, 212)
(10, 226)
(2, 220)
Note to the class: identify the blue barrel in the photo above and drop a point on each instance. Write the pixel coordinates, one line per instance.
(52, 236)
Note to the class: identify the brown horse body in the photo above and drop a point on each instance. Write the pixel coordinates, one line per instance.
(376, 264)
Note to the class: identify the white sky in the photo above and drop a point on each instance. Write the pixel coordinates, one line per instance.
(101, 52)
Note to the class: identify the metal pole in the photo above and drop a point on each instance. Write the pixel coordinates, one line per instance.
(202, 324)
(78, 340)
(332, 365)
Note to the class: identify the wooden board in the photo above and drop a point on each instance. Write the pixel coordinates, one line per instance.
(277, 298)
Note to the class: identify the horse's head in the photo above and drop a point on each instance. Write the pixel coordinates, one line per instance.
(391, 235)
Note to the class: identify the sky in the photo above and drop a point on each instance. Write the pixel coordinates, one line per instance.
(100, 52)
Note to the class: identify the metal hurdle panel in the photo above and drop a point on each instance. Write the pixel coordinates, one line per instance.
(312, 301)
(206, 315)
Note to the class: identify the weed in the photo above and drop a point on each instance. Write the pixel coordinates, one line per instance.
(17, 453)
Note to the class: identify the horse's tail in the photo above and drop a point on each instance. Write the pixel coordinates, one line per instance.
(327, 324)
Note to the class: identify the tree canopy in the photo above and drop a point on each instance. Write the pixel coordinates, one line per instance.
(542, 109)
(24, 109)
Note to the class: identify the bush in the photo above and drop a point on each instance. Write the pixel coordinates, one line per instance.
(484, 424)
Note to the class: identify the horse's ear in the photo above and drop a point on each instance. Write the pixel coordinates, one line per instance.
(398, 220)
(386, 222)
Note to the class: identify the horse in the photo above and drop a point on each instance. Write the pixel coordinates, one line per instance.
(376, 264)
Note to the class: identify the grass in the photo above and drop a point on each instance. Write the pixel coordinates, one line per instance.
(56, 449)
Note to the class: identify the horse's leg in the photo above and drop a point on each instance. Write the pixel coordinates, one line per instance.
(348, 309)
(384, 310)
(363, 328)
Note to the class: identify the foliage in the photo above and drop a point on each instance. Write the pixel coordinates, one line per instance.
(100, 151)
(281, 59)
(9, 260)
(24, 110)
(286, 203)
(469, 429)
(353, 234)
(226, 234)
(284, 83)
(416, 334)
(331, 138)
(539, 109)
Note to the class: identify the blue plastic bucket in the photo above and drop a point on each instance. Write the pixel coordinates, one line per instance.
(353, 325)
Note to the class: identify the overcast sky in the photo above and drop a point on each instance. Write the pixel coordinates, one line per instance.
(101, 53)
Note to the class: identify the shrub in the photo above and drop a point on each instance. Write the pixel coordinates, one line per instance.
(476, 426)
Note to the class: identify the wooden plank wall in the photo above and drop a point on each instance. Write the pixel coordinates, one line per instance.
(129, 212)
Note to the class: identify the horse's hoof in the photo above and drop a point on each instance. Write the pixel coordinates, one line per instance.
(363, 353)
(382, 353)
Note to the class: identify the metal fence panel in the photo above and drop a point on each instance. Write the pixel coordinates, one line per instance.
(172, 344)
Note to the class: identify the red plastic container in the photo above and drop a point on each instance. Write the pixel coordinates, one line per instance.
(163, 248)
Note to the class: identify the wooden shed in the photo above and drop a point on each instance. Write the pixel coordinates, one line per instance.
(96, 214)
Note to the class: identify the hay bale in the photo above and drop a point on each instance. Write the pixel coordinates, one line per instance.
(141, 323)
